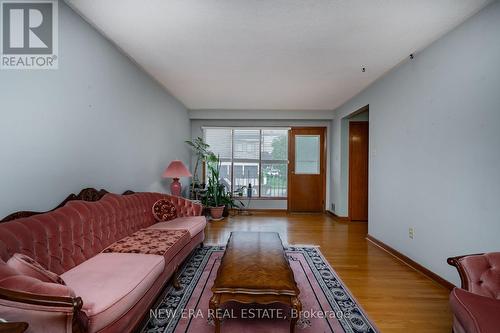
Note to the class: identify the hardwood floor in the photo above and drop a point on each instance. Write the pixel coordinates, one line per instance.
(396, 297)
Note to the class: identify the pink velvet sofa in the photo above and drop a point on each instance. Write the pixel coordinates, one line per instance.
(476, 305)
(104, 292)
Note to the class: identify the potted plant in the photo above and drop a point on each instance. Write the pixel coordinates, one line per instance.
(200, 149)
(230, 202)
(215, 192)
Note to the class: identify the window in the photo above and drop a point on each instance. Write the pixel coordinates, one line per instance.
(252, 156)
(307, 155)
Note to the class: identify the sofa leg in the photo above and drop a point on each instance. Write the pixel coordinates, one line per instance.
(175, 279)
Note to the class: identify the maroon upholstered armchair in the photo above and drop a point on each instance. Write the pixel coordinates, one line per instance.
(476, 306)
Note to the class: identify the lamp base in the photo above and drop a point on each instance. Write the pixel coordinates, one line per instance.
(176, 187)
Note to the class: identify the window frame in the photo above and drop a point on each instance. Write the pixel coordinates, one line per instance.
(259, 161)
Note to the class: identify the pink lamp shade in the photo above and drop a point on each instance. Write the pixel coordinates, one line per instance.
(175, 170)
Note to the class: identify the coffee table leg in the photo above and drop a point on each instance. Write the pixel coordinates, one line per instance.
(297, 307)
(214, 306)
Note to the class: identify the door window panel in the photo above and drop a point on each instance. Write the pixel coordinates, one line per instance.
(307, 154)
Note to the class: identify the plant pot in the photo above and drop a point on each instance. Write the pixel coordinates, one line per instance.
(216, 213)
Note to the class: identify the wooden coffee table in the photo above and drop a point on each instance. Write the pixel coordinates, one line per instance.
(254, 269)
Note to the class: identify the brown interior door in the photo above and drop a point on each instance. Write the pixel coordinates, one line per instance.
(306, 172)
(358, 171)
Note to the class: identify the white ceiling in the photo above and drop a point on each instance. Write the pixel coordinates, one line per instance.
(271, 54)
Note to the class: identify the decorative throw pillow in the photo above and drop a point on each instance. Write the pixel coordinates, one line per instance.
(30, 267)
(164, 210)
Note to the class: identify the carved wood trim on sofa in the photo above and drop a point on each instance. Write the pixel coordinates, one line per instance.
(87, 194)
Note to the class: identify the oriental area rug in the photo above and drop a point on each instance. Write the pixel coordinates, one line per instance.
(327, 304)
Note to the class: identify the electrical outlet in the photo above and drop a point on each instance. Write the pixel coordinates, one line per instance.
(333, 207)
(411, 232)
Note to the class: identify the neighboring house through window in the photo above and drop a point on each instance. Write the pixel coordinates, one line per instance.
(257, 156)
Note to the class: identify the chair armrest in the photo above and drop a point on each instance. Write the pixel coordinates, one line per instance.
(20, 301)
(477, 314)
(480, 273)
(17, 327)
(42, 300)
(456, 262)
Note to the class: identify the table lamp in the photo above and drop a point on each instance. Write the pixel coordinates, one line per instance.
(175, 170)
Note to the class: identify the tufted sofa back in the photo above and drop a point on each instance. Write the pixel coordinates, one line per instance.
(483, 274)
(68, 236)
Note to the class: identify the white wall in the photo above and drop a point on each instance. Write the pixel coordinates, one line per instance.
(435, 147)
(274, 121)
(96, 121)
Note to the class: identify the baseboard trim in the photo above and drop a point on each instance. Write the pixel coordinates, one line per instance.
(410, 262)
(338, 218)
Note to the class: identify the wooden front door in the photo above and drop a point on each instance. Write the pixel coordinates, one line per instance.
(358, 171)
(307, 169)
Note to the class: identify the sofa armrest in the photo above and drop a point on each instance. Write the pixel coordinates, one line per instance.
(475, 313)
(185, 207)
